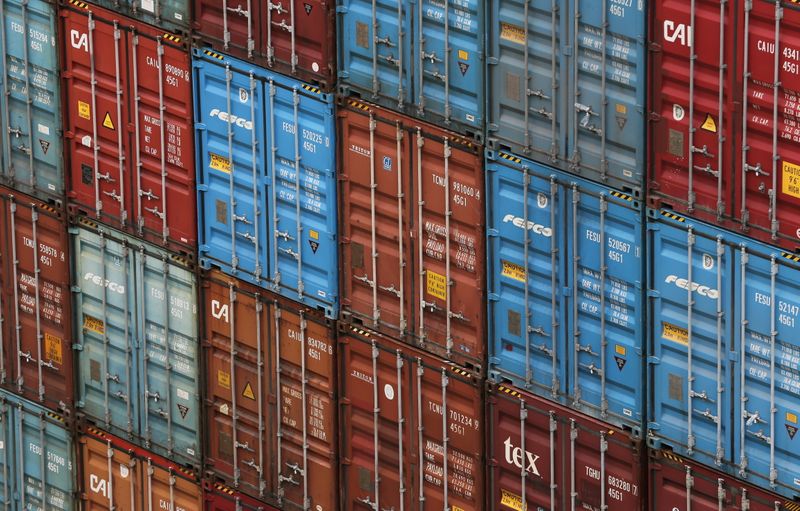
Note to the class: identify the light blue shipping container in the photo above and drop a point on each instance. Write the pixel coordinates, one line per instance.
(266, 190)
(566, 86)
(30, 106)
(724, 369)
(37, 469)
(136, 320)
(566, 300)
(172, 15)
(424, 58)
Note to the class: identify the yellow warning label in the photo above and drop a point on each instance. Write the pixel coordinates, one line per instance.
(52, 348)
(107, 122)
(514, 271)
(84, 110)
(220, 163)
(709, 124)
(674, 333)
(790, 417)
(313, 234)
(621, 109)
(512, 500)
(463, 55)
(513, 33)
(791, 179)
(93, 324)
(224, 379)
(456, 508)
(248, 392)
(620, 350)
(437, 285)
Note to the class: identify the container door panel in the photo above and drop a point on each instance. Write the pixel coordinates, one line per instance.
(295, 34)
(111, 476)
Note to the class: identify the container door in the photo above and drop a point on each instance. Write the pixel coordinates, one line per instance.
(448, 220)
(606, 317)
(30, 105)
(168, 351)
(108, 389)
(692, 277)
(526, 275)
(607, 91)
(163, 170)
(232, 186)
(677, 484)
(302, 206)
(40, 337)
(448, 60)
(768, 380)
(375, 49)
(165, 489)
(111, 476)
(235, 23)
(173, 14)
(296, 34)
(97, 112)
(527, 78)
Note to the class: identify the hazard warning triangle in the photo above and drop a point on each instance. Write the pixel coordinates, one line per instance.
(107, 122)
(248, 392)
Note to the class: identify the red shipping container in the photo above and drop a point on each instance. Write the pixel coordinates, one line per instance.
(259, 440)
(36, 358)
(556, 458)
(128, 126)
(219, 497)
(296, 37)
(412, 229)
(410, 421)
(677, 483)
(726, 124)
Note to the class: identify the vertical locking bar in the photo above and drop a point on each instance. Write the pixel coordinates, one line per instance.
(137, 98)
(226, 33)
(603, 121)
(573, 493)
(776, 85)
(254, 173)
(297, 189)
(553, 478)
(162, 129)
(523, 469)
(603, 272)
(98, 203)
(373, 125)
(231, 195)
(748, 6)
(420, 250)
(167, 352)
(721, 111)
(553, 315)
(554, 81)
(237, 471)
(721, 495)
(603, 479)
(106, 341)
(29, 99)
(270, 47)
(720, 352)
(445, 441)
(576, 331)
(400, 197)
(446, 58)
(19, 426)
(420, 434)
(401, 422)
(292, 31)
(16, 277)
(376, 418)
(8, 167)
(42, 456)
(262, 484)
(743, 322)
(279, 390)
(123, 212)
(304, 399)
(375, 82)
(690, 240)
(526, 180)
(692, 58)
(527, 109)
(129, 349)
(400, 91)
(448, 212)
(576, 157)
(273, 92)
(110, 474)
(37, 301)
(420, 59)
(773, 341)
(251, 44)
(142, 332)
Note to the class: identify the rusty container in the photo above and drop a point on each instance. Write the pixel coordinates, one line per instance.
(117, 475)
(542, 455)
(218, 497)
(410, 422)
(412, 232)
(36, 358)
(129, 137)
(284, 362)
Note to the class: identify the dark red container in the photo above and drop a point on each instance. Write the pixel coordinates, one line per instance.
(219, 497)
(294, 37)
(128, 126)
(570, 461)
(412, 218)
(258, 438)
(36, 330)
(678, 483)
(724, 139)
(404, 412)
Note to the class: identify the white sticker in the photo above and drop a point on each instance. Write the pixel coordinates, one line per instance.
(182, 394)
(87, 141)
(541, 200)
(123, 470)
(678, 113)
(149, 5)
(470, 117)
(243, 95)
(315, 67)
(44, 130)
(708, 262)
(178, 16)
(189, 451)
(51, 186)
(2, 445)
(223, 409)
(388, 391)
(321, 293)
(627, 412)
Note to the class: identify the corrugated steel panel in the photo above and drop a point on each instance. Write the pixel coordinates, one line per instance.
(565, 274)
(267, 187)
(172, 15)
(424, 59)
(566, 86)
(218, 497)
(30, 107)
(137, 345)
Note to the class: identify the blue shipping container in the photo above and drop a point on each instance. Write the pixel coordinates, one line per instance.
(566, 86)
(37, 469)
(724, 369)
(565, 289)
(422, 58)
(267, 187)
(133, 380)
(30, 107)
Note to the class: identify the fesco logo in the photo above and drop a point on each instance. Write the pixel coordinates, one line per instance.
(233, 119)
(99, 281)
(694, 286)
(530, 225)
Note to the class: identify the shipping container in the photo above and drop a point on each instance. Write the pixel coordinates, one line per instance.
(30, 108)
(36, 358)
(219, 497)
(424, 59)
(37, 457)
(267, 183)
(266, 360)
(564, 280)
(138, 370)
(412, 427)
(724, 89)
(297, 39)
(117, 475)
(172, 15)
(678, 483)
(541, 455)
(128, 122)
(566, 86)
(412, 217)
(722, 373)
